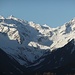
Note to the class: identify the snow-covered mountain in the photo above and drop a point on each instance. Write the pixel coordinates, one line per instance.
(27, 41)
(27, 46)
(60, 61)
(19, 39)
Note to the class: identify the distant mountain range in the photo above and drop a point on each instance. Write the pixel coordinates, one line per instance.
(27, 47)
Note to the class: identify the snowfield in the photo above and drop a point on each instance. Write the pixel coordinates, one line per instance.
(27, 41)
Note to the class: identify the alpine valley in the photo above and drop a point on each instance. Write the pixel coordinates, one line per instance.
(27, 48)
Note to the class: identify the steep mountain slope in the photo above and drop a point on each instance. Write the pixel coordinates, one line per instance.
(60, 61)
(15, 38)
(55, 37)
(27, 42)
(9, 66)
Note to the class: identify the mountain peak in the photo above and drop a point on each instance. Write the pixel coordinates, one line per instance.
(73, 20)
(1, 17)
(45, 25)
(12, 17)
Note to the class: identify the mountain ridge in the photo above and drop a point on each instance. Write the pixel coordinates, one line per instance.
(42, 37)
(32, 45)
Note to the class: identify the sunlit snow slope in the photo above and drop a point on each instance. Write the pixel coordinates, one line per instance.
(27, 41)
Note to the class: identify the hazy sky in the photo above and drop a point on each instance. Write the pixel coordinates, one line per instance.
(51, 12)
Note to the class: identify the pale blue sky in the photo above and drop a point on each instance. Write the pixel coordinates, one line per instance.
(51, 12)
